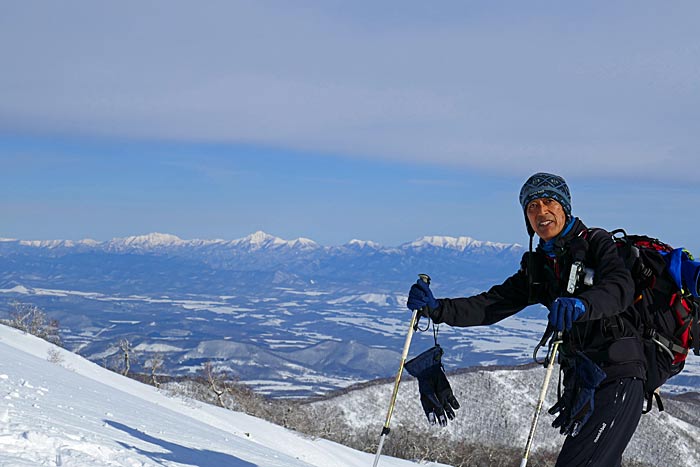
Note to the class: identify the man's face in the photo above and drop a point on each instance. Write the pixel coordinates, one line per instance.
(547, 218)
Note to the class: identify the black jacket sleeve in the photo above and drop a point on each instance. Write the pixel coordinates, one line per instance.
(499, 302)
(613, 288)
(611, 293)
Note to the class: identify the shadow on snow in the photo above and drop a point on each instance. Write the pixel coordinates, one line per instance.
(178, 453)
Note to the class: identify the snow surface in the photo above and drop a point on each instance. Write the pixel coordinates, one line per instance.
(58, 409)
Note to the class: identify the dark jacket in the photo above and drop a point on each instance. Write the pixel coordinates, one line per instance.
(606, 332)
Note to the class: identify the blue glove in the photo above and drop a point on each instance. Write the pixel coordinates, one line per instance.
(564, 311)
(421, 298)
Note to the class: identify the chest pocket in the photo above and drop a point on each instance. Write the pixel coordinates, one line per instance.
(581, 267)
(568, 272)
(543, 277)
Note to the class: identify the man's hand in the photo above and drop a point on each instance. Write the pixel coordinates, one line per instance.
(421, 298)
(564, 311)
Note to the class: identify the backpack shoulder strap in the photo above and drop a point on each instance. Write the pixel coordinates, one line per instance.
(595, 234)
(579, 245)
(695, 326)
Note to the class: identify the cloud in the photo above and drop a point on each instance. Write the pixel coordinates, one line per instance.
(496, 88)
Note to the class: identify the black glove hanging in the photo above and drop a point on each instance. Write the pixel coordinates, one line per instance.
(436, 395)
(575, 406)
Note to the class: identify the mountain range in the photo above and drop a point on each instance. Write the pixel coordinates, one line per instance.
(288, 317)
(301, 260)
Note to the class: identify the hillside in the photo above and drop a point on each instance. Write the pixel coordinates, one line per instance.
(497, 409)
(58, 409)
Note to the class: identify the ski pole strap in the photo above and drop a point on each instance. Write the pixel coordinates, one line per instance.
(436, 327)
(553, 346)
(425, 278)
(545, 337)
(415, 325)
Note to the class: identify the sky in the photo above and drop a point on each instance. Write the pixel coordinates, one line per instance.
(333, 120)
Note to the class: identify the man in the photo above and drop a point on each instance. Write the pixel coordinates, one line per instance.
(601, 355)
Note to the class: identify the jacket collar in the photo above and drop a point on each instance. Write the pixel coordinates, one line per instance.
(557, 245)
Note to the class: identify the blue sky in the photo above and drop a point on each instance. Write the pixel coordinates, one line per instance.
(339, 120)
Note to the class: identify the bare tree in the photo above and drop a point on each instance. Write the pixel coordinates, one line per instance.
(217, 382)
(33, 320)
(155, 363)
(54, 356)
(126, 350)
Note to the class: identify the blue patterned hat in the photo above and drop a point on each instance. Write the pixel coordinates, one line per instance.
(544, 185)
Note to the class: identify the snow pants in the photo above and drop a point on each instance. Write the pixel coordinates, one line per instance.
(602, 440)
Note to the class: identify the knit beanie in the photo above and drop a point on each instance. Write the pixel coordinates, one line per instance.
(544, 185)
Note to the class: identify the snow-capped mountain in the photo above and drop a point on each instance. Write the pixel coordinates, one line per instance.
(262, 241)
(361, 244)
(56, 244)
(59, 409)
(459, 244)
(299, 260)
(254, 242)
(139, 243)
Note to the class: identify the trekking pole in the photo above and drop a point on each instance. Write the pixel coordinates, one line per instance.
(550, 366)
(414, 324)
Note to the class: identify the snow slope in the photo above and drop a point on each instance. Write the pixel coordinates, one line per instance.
(58, 409)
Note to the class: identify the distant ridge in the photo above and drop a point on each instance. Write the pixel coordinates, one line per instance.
(268, 309)
(258, 240)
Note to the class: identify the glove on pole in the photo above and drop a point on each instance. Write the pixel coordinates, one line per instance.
(421, 298)
(414, 323)
(543, 393)
(436, 395)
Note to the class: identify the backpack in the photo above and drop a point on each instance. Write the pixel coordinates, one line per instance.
(666, 283)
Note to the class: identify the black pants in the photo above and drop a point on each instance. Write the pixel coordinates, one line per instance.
(602, 440)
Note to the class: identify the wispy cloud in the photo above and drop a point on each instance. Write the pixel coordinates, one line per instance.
(211, 169)
(502, 87)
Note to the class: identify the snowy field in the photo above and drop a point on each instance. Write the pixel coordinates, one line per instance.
(58, 409)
